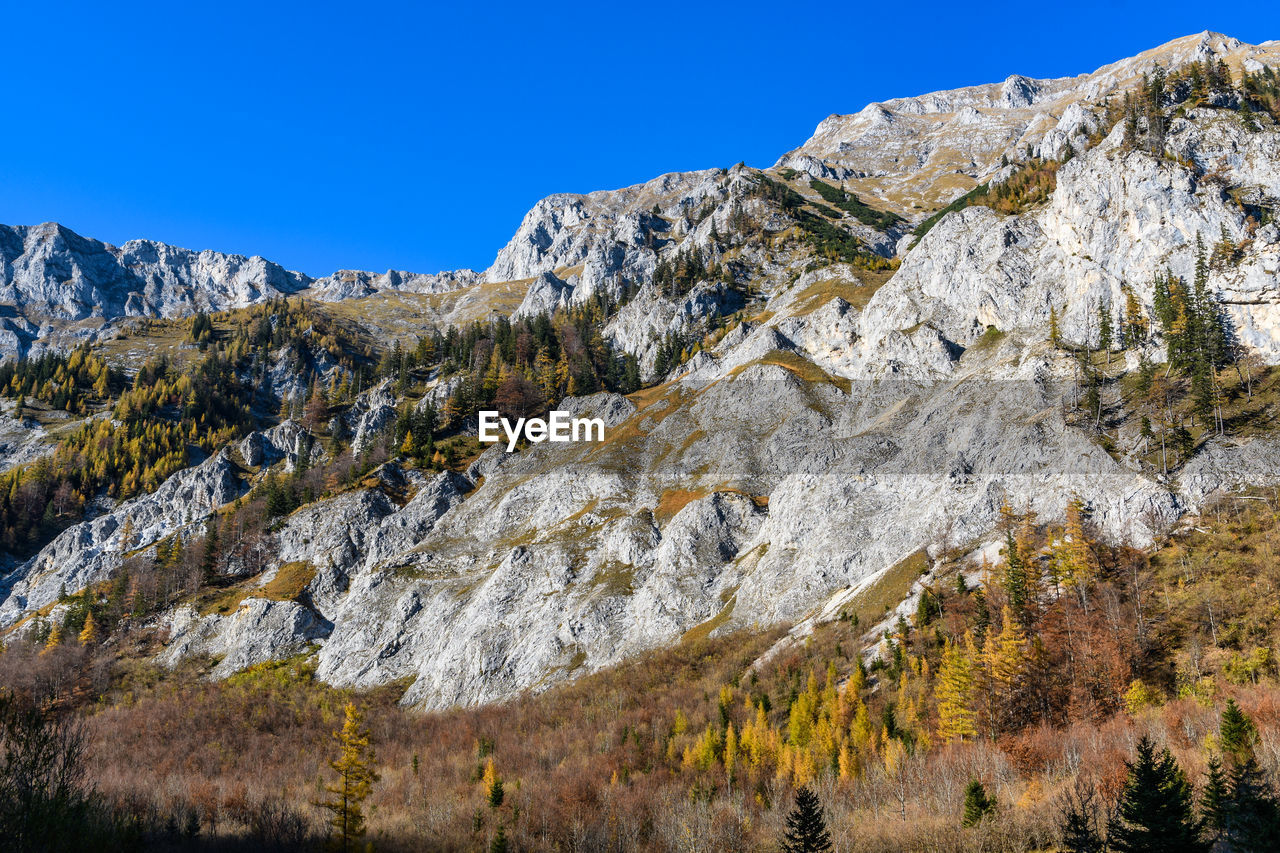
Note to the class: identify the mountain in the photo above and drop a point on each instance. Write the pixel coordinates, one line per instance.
(52, 278)
(837, 381)
(920, 152)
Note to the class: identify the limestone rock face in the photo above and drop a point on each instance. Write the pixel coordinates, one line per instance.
(258, 631)
(21, 441)
(1116, 219)
(369, 416)
(354, 284)
(91, 551)
(575, 246)
(50, 274)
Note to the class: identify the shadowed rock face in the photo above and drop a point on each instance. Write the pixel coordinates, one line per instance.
(845, 427)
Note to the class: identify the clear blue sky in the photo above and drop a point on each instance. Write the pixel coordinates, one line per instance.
(400, 135)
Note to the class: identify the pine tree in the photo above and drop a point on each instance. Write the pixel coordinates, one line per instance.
(981, 614)
(1154, 813)
(499, 844)
(1080, 824)
(1105, 330)
(1015, 577)
(977, 804)
(806, 827)
(1236, 733)
(209, 562)
(1252, 819)
(1215, 804)
(354, 766)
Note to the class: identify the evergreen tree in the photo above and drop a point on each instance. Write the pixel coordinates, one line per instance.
(1236, 733)
(1239, 808)
(977, 805)
(1105, 330)
(354, 766)
(1015, 578)
(499, 844)
(1252, 816)
(209, 562)
(1080, 824)
(1215, 804)
(981, 614)
(806, 827)
(1154, 814)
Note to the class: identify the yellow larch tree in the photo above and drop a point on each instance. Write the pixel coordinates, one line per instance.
(1004, 661)
(1074, 558)
(89, 634)
(55, 638)
(492, 784)
(354, 766)
(954, 692)
(730, 752)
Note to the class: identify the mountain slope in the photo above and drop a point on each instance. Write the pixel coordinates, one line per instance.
(822, 401)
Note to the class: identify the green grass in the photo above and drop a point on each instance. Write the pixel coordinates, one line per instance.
(887, 591)
(971, 197)
(881, 220)
(288, 584)
(989, 339)
(703, 631)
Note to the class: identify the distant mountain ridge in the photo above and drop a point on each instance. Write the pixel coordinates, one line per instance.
(52, 276)
(910, 155)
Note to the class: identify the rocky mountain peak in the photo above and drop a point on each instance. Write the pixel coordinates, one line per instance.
(911, 154)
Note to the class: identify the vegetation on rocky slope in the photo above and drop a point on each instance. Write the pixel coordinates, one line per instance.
(1033, 677)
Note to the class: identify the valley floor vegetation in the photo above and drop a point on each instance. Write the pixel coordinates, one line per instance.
(1073, 695)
